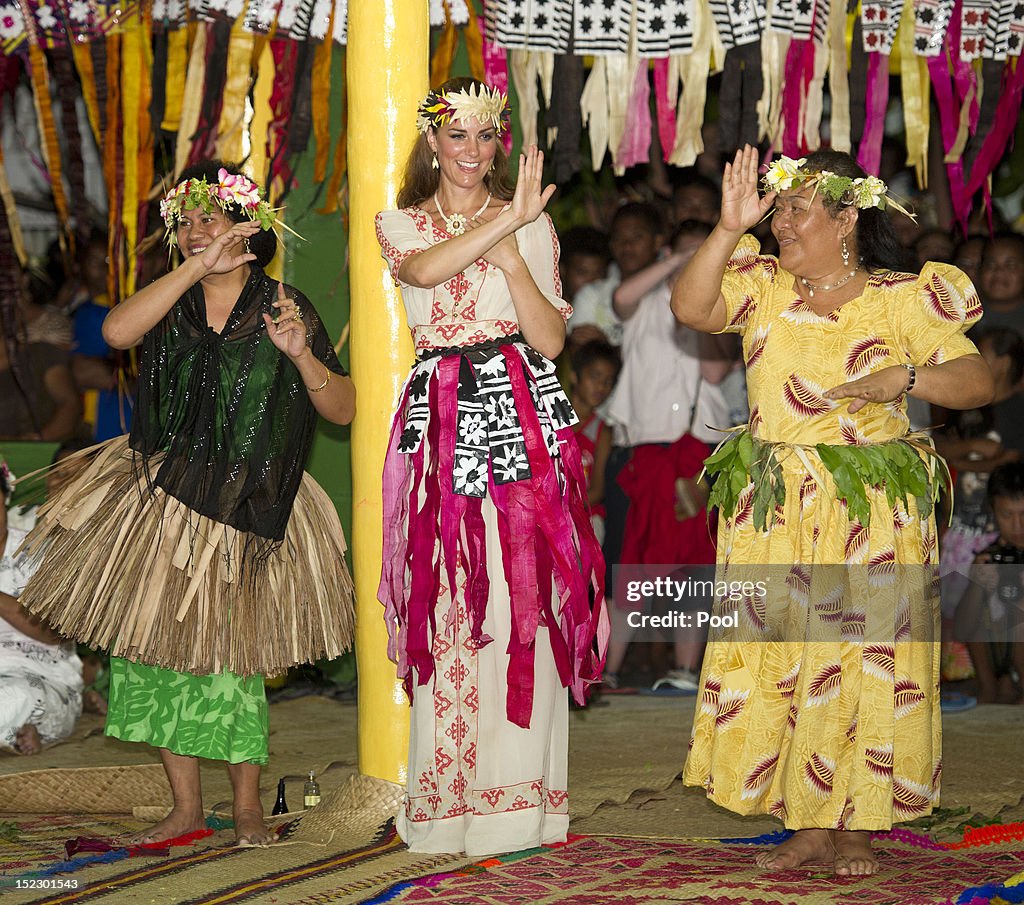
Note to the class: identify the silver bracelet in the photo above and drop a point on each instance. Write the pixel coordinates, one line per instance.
(911, 378)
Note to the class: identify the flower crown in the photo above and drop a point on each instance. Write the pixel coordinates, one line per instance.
(868, 191)
(230, 189)
(488, 105)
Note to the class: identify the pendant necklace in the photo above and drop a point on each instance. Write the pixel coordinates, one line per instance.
(456, 224)
(825, 287)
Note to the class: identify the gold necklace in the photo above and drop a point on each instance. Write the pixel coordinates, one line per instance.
(456, 224)
(824, 287)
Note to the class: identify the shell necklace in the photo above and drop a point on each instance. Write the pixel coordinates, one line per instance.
(824, 287)
(456, 224)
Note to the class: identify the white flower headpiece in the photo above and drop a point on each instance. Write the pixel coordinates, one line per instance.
(786, 173)
(487, 105)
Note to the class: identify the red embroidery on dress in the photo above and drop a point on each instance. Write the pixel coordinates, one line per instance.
(507, 328)
(457, 287)
(426, 781)
(458, 785)
(456, 674)
(469, 758)
(442, 760)
(450, 331)
(557, 798)
(441, 705)
(434, 801)
(492, 796)
(457, 730)
(473, 700)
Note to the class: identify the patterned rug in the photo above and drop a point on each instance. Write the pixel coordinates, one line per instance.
(615, 871)
(33, 844)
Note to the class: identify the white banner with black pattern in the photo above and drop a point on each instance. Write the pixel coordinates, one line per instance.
(880, 20)
(1004, 31)
(533, 24)
(664, 27)
(739, 22)
(601, 27)
(931, 20)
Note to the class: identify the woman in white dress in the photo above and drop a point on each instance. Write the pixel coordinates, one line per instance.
(40, 673)
(492, 577)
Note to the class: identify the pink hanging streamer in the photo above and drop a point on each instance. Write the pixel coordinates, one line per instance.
(949, 112)
(869, 154)
(545, 533)
(495, 65)
(666, 112)
(635, 146)
(798, 57)
(998, 139)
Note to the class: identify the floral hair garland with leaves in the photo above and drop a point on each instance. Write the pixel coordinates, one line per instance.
(785, 173)
(488, 105)
(231, 189)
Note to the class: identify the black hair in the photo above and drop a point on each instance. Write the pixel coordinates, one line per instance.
(691, 228)
(1004, 341)
(1005, 235)
(877, 243)
(648, 214)
(264, 243)
(5, 487)
(584, 240)
(1007, 481)
(596, 350)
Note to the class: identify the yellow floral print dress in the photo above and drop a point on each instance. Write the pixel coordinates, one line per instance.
(841, 733)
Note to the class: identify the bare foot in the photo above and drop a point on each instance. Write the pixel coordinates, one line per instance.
(250, 828)
(803, 847)
(177, 823)
(94, 702)
(854, 857)
(27, 741)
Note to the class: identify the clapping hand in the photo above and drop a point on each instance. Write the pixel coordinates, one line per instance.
(742, 206)
(530, 198)
(286, 330)
(222, 254)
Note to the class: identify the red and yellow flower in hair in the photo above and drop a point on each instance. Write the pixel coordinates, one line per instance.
(487, 105)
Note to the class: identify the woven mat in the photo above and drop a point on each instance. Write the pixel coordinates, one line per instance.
(84, 790)
(622, 871)
(35, 843)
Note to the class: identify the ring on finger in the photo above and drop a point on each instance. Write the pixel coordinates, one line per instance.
(297, 313)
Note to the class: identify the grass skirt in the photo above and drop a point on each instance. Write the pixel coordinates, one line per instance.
(130, 569)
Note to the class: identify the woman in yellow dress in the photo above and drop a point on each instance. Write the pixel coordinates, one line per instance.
(822, 708)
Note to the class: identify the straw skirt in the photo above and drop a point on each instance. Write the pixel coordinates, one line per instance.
(130, 569)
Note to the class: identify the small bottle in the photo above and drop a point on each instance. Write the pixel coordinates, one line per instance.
(280, 806)
(311, 792)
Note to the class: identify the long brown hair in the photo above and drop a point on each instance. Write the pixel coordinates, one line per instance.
(421, 179)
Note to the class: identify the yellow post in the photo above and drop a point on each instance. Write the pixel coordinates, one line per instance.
(388, 57)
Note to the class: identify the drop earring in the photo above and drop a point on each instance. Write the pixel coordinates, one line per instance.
(434, 162)
(846, 254)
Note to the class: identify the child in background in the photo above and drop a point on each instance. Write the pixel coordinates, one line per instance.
(637, 234)
(990, 616)
(583, 260)
(595, 368)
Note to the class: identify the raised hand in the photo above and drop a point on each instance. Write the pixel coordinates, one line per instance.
(230, 250)
(286, 329)
(530, 197)
(742, 206)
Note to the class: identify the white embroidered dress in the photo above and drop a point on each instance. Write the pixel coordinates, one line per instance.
(477, 782)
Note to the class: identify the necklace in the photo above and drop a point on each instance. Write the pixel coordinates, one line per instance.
(825, 287)
(457, 223)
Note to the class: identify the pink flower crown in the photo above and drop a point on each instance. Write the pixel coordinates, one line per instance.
(231, 189)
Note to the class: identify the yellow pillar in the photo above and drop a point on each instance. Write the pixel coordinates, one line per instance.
(388, 57)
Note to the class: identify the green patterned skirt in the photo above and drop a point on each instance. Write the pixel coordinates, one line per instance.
(220, 717)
